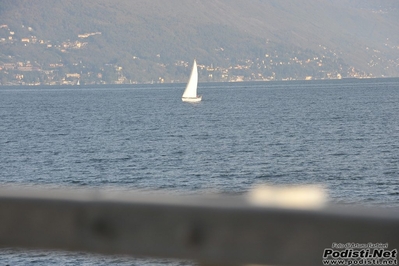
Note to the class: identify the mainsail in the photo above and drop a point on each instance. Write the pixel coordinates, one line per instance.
(191, 89)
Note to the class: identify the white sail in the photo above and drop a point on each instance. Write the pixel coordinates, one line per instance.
(191, 89)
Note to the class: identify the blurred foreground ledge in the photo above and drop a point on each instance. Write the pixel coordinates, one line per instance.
(273, 226)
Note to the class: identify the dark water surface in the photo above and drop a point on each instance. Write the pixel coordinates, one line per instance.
(341, 134)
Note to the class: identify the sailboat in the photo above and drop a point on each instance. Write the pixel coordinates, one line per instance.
(190, 93)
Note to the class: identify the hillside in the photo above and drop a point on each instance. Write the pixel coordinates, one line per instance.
(121, 41)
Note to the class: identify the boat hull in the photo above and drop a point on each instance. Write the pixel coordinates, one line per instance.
(192, 99)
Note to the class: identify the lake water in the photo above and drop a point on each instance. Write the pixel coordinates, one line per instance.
(342, 134)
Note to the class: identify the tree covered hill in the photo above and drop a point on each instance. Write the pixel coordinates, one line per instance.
(118, 41)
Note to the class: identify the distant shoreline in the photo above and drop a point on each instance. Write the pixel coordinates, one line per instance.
(201, 84)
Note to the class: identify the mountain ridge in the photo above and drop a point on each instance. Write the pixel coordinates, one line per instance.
(145, 40)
